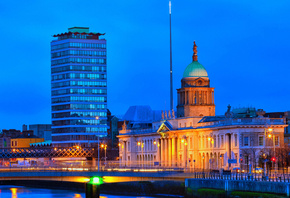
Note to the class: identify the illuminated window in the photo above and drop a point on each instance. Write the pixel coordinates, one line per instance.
(276, 140)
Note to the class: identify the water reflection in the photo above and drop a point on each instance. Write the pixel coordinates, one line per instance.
(25, 192)
(78, 196)
(13, 192)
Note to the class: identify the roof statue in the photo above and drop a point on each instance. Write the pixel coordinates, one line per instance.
(194, 57)
(173, 114)
(162, 115)
(169, 114)
(229, 113)
(124, 127)
(165, 115)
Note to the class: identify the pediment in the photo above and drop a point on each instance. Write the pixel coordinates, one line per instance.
(164, 127)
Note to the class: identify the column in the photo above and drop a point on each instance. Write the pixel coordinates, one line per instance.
(158, 150)
(173, 151)
(124, 152)
(166, 151)
(227, 144)
(169, 151)
(184, 155)
(162, 152)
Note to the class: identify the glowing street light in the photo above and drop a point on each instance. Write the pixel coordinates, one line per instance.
(96, 180)
(142, 145)
(105, 147)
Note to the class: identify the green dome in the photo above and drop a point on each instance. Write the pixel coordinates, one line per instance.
(195, 69)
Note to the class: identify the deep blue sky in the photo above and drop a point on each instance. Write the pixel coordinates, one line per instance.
(244, 45)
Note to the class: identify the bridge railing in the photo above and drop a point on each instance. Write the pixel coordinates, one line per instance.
(275, 177)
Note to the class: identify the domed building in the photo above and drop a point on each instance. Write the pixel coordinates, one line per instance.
(196, 138)
(195, 97)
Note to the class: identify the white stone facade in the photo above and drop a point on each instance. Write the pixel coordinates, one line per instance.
(204, 145)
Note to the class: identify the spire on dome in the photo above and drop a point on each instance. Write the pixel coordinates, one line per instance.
(194, 57)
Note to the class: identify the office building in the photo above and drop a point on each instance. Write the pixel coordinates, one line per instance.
(41, 130)
(78, 87)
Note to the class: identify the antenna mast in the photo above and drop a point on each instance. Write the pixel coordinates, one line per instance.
(171, 83)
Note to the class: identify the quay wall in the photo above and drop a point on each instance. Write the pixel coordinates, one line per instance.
(192, 185)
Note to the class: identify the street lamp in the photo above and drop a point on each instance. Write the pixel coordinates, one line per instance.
(105, 147)
(211, 142)
(274, 146)
(142, 145)
(265, 135)
(97, 118)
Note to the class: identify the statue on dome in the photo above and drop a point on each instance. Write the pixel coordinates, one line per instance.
(194, 48)
(165, 115)
(162, 115)
(194, 57)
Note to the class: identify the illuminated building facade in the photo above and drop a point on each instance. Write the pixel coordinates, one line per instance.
(197, 138)
(78, 87)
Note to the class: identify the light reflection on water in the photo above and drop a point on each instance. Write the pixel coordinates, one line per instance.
(25, 192)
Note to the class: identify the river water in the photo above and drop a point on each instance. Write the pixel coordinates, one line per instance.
(25, 192)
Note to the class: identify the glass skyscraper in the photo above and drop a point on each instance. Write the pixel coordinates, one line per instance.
(78, 87)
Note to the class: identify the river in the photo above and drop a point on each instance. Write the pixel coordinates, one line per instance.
(25, 192)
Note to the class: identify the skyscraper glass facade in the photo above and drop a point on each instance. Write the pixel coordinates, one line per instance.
(78, 87)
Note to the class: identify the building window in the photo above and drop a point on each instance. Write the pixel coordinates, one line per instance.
(261, 140)
(12, 143)
(236, 140)
(184, 125)
(206, 141)
(190, 142)
(128, 146)
(276, 140)
(214, 143)
(246, 141)
(222, 141)
(179, 125)
(191, 124)
(218, 141)
(15, 143)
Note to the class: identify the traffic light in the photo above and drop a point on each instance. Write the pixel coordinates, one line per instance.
(241, 160)
(273, 159)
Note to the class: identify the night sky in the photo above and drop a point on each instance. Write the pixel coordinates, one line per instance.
(243, 45)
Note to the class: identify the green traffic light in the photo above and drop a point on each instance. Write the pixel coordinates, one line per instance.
(96, 180)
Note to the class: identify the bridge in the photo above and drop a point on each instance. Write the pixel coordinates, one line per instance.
(47, 152)
(275, 183)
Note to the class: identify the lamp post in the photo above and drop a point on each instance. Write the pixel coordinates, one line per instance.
(184, 141)
(211, 142)
(154, 142)
(105, 147)
(265, 135)
(97, 118)
(142, 145)
(274, 146)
